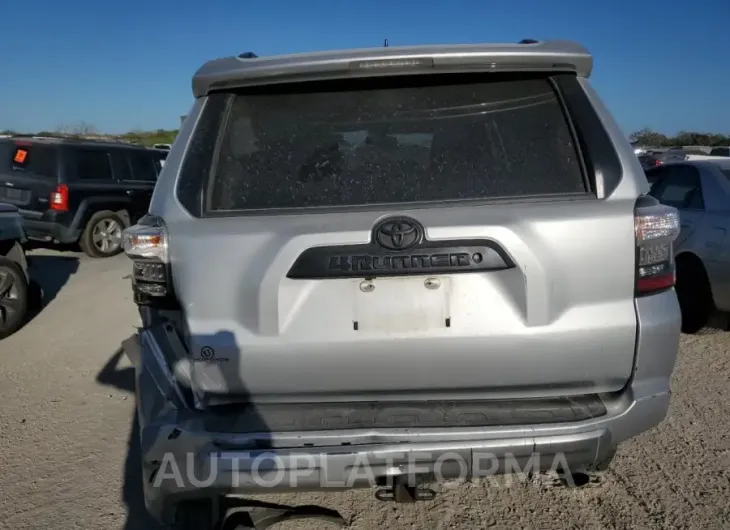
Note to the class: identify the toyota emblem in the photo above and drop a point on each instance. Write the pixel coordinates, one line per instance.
(399, 233)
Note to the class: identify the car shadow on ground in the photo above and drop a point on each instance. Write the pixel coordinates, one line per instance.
(132, 496)
(51, 273)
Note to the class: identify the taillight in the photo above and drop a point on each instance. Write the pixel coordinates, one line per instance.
(657, 163)
(59, 198)
(656, 226)
(146, 244)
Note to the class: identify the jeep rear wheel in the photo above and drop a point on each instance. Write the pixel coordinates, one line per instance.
(102, 236)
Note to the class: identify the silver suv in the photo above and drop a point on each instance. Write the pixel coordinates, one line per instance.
(386, 266)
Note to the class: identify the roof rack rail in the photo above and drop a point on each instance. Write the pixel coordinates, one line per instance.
(248, 55)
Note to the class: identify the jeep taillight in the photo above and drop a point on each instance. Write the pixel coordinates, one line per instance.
(58, 200)
(656, 227)
(146, 244)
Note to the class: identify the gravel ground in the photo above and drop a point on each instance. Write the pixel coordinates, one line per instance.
(66, 425)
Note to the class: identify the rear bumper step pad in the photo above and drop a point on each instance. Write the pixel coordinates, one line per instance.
(297, 417)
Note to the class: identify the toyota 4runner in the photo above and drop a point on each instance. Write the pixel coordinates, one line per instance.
(402, 258)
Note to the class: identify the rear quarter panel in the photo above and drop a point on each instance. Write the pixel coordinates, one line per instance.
(633, 182)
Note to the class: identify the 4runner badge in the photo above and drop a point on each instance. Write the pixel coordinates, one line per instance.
(398, 246)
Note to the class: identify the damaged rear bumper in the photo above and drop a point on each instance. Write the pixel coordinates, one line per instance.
(189, 454)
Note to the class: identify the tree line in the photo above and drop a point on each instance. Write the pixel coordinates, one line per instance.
(644, 136)
(85, 130)
(652, 138)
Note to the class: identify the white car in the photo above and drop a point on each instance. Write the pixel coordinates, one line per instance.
(165, 148)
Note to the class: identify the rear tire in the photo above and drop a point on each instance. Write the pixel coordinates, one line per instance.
(13, 297)
(102, 237)
(194, 515)
(694, 295)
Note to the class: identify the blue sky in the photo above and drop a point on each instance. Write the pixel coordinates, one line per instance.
(128, 65)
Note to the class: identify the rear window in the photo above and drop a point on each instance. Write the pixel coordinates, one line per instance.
(394, 144)
(39, 160)
(720, 151)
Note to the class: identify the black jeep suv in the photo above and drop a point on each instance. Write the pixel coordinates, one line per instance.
(78, 191)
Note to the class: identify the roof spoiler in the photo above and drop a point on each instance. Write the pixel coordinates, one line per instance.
(528, 55)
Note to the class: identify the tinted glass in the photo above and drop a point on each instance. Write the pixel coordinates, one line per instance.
(695, 200)
(93, 165)
(654, 176)
(122, 169)
(375, 143)
(680, 188)
(142, 165)
(720, 151)
(39, 160)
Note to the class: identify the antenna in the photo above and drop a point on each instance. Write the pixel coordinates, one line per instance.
(386, 43)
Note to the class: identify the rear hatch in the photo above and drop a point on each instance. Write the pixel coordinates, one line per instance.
(403, 238)
(28, 174)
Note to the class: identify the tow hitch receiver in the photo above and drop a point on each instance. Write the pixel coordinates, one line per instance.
(401, 491)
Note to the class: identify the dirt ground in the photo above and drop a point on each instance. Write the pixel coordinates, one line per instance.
(68, 457)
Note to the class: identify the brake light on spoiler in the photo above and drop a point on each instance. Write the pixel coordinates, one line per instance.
(656, 226)
(386, 64)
